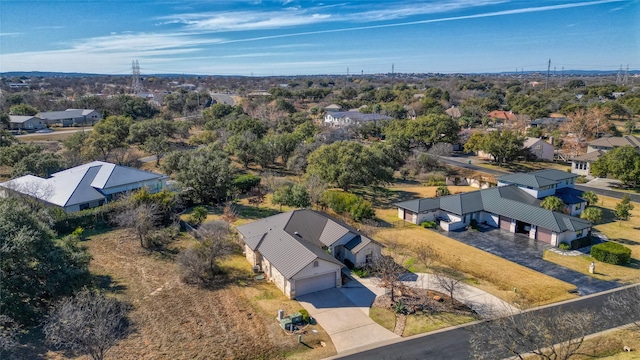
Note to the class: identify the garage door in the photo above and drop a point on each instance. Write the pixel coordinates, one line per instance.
(544, 235)
(408, 215)
(505, 223)
(316, 283)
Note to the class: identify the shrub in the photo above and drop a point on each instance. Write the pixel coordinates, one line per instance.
(611, 253)
(564, 246)
(198, 215)
(474, 224)
(343, 202)
(361, 272)
(305, 315)
(244, 183)
(400, 308)
(435, 181)
(429, 224)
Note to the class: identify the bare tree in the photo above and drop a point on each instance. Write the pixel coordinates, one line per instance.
(554, 335)
(33, 192)
(142, 218)
(389, 274)
(426, 255)
(9, 331)
(199, 264)
(625, 306)
(449, 280)
(88, 322)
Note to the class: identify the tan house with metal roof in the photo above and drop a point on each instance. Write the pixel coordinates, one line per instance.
(304, 251)
(581, 165)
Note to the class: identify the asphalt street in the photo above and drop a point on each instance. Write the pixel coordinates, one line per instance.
(454, 344)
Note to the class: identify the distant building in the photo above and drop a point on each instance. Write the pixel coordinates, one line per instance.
(19, 122)
(454, 112)
(70, 117)
(351, 118)
(504, 116)
(581, 165)
(540, 148)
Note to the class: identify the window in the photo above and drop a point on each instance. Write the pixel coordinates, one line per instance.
(579, 206)
(316, 264)
(368, 259)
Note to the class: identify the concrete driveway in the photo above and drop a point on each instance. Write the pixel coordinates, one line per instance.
(528, 252)
(344, 314)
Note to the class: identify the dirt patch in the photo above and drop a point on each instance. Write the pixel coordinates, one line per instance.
(422, 300)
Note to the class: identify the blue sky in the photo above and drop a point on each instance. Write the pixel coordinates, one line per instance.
(289, 37)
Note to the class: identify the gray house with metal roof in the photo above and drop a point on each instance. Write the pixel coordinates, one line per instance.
(70, 117)
(304, 251)
(514, 206)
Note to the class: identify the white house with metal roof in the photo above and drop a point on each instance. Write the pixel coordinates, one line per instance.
(352, 118)
(85, 186)
(20, 122)
(304, 251)
(514, 206)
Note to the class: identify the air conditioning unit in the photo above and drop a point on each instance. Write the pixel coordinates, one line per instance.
(257, 269)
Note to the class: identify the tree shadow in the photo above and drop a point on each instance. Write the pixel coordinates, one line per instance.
(255, 212)
(384, 198)
(626, 241)
(106, 282)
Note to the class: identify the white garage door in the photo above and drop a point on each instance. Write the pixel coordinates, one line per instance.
(316, 283)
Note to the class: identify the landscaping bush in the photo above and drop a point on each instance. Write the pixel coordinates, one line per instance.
(343, 202)
(305, 315)
(435, 181)
(361, 272)
(564, 246)
(429, 224)
(474, 224)
(246, 182)
(580, 243)
(400, 308)
(611, 253)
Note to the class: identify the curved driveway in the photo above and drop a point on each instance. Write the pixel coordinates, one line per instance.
(528, 252)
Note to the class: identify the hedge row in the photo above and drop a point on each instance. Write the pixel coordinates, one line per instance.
(611, 253)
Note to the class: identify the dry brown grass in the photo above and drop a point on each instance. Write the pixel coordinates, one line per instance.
(609, 346)
(493, 274)
(177, 321)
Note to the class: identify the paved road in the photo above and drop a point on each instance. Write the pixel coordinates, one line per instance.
(223, 98)
(458, 162)
(74, 130)
(528, 252)
(454, 344)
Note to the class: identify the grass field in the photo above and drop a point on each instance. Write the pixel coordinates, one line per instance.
(623, 232)
(177, 321)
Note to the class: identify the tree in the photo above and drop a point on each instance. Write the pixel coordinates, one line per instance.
(590, 197)
(389, 274)
(557, 334)
(426, 255)
(89, 322)
(348, 164)
(623, 208)
(290, 194)
(630, 126)
(553, 203)
(42, 165)
(11, 155)
(207, 173)
(592, 214)
(107, 135)
(449, 280)
(130, 106)
(9, 334)
(35, 269)
(140, 131)
(424, 131)
(622, 163)
(23, 109)
(142, 218)
(157, 146)
(502, 145)
(243, 147)
(199, 264)
(198, 214)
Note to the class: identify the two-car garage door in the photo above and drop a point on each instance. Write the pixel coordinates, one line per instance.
(315, 283)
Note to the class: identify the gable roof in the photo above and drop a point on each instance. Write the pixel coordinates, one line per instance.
(59, 115)
(510, 201)
(291, 240)
(537, 179)
(590, 156)
(530, 141)
(358, 116)
(616, 141)
(20, 119)
(80, 184)
(503, 115)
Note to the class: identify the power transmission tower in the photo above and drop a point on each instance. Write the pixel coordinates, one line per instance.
(626, 76)
(136, 84)
(619, 77)
(546, 85)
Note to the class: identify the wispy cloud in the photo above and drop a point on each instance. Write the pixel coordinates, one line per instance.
(10, 33)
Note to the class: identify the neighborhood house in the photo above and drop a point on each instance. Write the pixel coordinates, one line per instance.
(513, 206)
(304, 251)
(85, 186)
(70, 117)
(581, 165)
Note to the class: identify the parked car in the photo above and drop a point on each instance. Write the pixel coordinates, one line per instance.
(44, 131)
